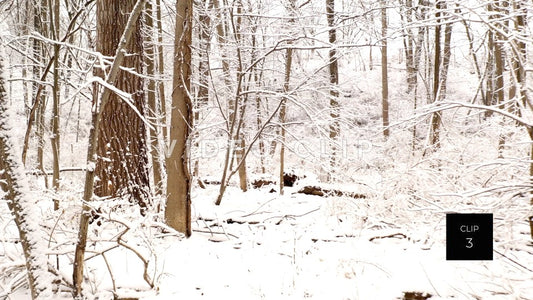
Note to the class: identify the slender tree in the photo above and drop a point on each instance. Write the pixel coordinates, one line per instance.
(55, 139)
(153, 106)
(282, 111)
(13, 182)
(384, 70)
(178, 208)
(436, 116)
(334, 127)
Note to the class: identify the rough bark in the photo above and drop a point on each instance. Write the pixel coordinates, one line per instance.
(178, 207)
(122, 167)
(97, 115)
(22, 207)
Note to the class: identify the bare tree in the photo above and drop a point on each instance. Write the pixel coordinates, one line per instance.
(437, 116)
(334, 127)
(97, 116)
(178, 208)
(153, 106)
(122, 167)
(384, 70)
(55, 139)
(282, 111)
(21, 207)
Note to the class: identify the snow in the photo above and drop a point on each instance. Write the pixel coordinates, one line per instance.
(260, 245)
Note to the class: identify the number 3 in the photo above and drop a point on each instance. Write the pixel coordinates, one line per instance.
(469, 243)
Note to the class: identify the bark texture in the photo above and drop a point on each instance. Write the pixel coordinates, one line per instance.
(178, 208)
(334, 127)
(22, 207)
(122, 167)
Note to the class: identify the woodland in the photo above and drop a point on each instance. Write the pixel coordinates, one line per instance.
(253, 149)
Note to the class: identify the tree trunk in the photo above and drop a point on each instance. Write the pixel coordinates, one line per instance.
(55, 139)
(498, 53)
(436, 116)
(334, 128)
(446, 55)
(153, 108)
(122, 167)
(384, 70)
(258, 99)
(97, 115)
(40, 16)
(22, 207)
(241, 159)
(237, 109)
(178, 208)
(518, 89)
(161, 69)
(282, 111)
(409, 44)
(204, 36)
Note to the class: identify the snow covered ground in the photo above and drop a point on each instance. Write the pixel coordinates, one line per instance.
(299, 246)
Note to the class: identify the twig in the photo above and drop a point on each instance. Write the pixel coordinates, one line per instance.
(291, 216)
(253, 212)
(394, 235)
(514, 261)
(110, 273)
(146, 277)
(214, 232)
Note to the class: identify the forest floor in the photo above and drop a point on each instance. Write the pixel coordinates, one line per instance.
(259, 245)
(298, 246)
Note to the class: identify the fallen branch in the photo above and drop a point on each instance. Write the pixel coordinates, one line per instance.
(291, 216)
(394, 235)
(319, 191)
(214, 232)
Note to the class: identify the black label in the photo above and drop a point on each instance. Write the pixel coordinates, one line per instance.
(468, 236)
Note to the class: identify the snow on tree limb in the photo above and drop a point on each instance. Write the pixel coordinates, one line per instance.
(22, 207)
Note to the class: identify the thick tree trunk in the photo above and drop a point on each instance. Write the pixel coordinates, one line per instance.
(97, 115)
(122, 167)
(178, 208)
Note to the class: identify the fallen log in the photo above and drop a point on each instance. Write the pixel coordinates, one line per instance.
(319, 191)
